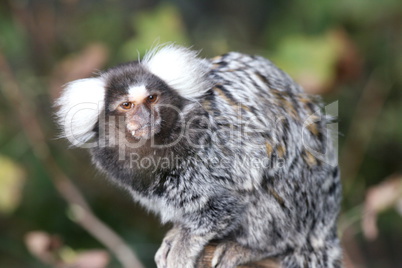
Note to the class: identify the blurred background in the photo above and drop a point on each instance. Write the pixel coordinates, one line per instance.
(57, 210)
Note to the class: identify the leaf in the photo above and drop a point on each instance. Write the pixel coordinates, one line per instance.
(12, 180)
(43, 246)
(379, 198)
(50, 250)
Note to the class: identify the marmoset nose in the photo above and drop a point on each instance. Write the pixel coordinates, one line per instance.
(133, 125)
(139, 119)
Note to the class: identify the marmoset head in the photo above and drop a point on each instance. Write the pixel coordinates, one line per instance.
(146, 95)
(144, 102)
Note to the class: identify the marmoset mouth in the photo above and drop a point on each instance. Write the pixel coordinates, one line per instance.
(145, 131)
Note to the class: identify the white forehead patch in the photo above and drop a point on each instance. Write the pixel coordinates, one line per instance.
(137, 93)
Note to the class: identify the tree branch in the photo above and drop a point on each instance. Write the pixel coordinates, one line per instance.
(80, 208)
(206, 259)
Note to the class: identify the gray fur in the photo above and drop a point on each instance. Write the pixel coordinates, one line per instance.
(248, 172)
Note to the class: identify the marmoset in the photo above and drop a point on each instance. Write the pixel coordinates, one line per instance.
(228, 149)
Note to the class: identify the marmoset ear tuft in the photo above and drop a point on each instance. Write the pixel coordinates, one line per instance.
(80, 105)
(180, 68)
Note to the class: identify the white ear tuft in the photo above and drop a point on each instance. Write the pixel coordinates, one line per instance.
(180, 68)
(80, 105)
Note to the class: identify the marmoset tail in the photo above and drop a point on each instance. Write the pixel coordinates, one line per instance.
(228, 149)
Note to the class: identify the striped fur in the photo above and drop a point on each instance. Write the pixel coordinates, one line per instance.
(245, 157)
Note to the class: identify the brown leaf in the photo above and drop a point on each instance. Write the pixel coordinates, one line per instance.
(381, 197)
(43, 246)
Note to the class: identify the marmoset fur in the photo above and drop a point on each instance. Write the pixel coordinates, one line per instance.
(228, 149)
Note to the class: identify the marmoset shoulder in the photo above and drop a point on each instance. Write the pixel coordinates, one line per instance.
(228, 149)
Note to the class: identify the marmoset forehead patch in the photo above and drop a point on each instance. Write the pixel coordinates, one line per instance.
(137, 93)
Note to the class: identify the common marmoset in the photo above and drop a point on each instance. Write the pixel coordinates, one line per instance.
(228, 149)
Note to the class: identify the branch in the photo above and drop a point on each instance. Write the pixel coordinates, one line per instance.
(206, 259)
(80, 208)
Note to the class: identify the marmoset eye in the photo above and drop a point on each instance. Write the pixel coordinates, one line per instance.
(152, 98)
(126, 105)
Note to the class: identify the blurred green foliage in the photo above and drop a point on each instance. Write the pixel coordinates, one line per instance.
(11, 181)
(154, 27)
(345, 50)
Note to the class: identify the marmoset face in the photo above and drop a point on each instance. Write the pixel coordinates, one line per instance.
(141, 100)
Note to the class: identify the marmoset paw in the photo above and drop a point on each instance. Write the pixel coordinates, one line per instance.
(178, 258)
(162, 253)
(164, 250)
(227, 255)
